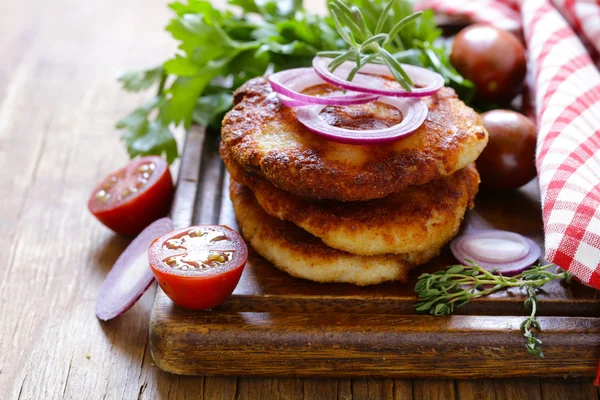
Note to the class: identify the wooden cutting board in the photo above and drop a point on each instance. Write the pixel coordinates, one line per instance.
(276, 325)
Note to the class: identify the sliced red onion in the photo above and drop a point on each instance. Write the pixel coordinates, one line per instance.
(426, 81)
(131, 275)
(414, 112)
(497, 251)
(289, 83)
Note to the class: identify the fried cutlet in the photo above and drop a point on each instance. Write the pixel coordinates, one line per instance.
(265, 138)
(416, 219)
(302, 255)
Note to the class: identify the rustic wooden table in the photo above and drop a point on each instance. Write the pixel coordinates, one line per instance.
(58, 104)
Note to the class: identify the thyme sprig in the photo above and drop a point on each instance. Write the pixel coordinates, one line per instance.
(367, 46)
(442, 292)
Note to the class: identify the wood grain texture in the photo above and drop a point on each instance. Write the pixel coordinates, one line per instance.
(58, 105)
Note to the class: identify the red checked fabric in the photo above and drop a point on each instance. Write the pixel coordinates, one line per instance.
(568, 151)
(584, 17)
(488, 11)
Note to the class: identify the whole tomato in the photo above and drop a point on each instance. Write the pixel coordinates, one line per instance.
(508, 161)
(492, 58)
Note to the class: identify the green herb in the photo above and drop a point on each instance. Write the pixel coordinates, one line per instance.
(367, 46)
(443, 291)
(220, 50)
(418, 41)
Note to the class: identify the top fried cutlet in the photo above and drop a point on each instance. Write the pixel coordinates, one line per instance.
(265, 138)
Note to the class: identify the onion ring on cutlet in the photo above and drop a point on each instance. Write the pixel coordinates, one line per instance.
(265, 138)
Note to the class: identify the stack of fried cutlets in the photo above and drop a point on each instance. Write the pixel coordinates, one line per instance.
(333, 212)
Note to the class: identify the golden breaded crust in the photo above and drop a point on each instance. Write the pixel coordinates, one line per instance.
(302, 255)
(265, 138)
(416, 219)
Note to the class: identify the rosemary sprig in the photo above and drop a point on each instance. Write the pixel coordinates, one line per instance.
(367, 46)
(443, 291)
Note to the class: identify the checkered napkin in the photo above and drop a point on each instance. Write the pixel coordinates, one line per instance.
(491, 12)
(568, 151)
(584, 17)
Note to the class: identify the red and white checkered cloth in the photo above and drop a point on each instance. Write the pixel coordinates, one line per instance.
(568, 150)
(584, 17)
(487, 11)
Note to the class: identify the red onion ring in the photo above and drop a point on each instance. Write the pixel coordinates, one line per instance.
(131, 275)
(291, 103)
(291, 82)
(496, 251)
(414, 112)
(432, 81)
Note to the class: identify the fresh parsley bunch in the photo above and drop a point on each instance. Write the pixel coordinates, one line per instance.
(220, 50)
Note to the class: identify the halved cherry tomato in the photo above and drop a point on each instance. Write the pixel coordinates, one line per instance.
(200, 266)
(131, 198)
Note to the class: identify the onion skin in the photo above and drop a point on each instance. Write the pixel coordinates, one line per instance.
(110, 304)
(509, 268)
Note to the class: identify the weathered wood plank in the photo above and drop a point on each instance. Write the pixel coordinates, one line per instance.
(562, 389)
(518, 389)
(280, 344)
(480, 389)
(403, 389)
(58, 105)
(220, 388)
(369, 388)
(326, 389)
(433, 389)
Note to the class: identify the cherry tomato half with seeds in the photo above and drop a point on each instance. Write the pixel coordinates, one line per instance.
(200, 266)
(131, 198)
(508, 160)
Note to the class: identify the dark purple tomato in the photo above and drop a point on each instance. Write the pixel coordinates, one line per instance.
(508, 161)
(493, 59)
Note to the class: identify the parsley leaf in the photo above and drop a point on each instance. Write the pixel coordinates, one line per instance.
(210, 109)
(143, 137)
(134, 81)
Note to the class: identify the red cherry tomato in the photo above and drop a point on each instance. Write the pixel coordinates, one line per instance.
(200, 266)
(508, 161)
(492, 58)
(131, 198)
